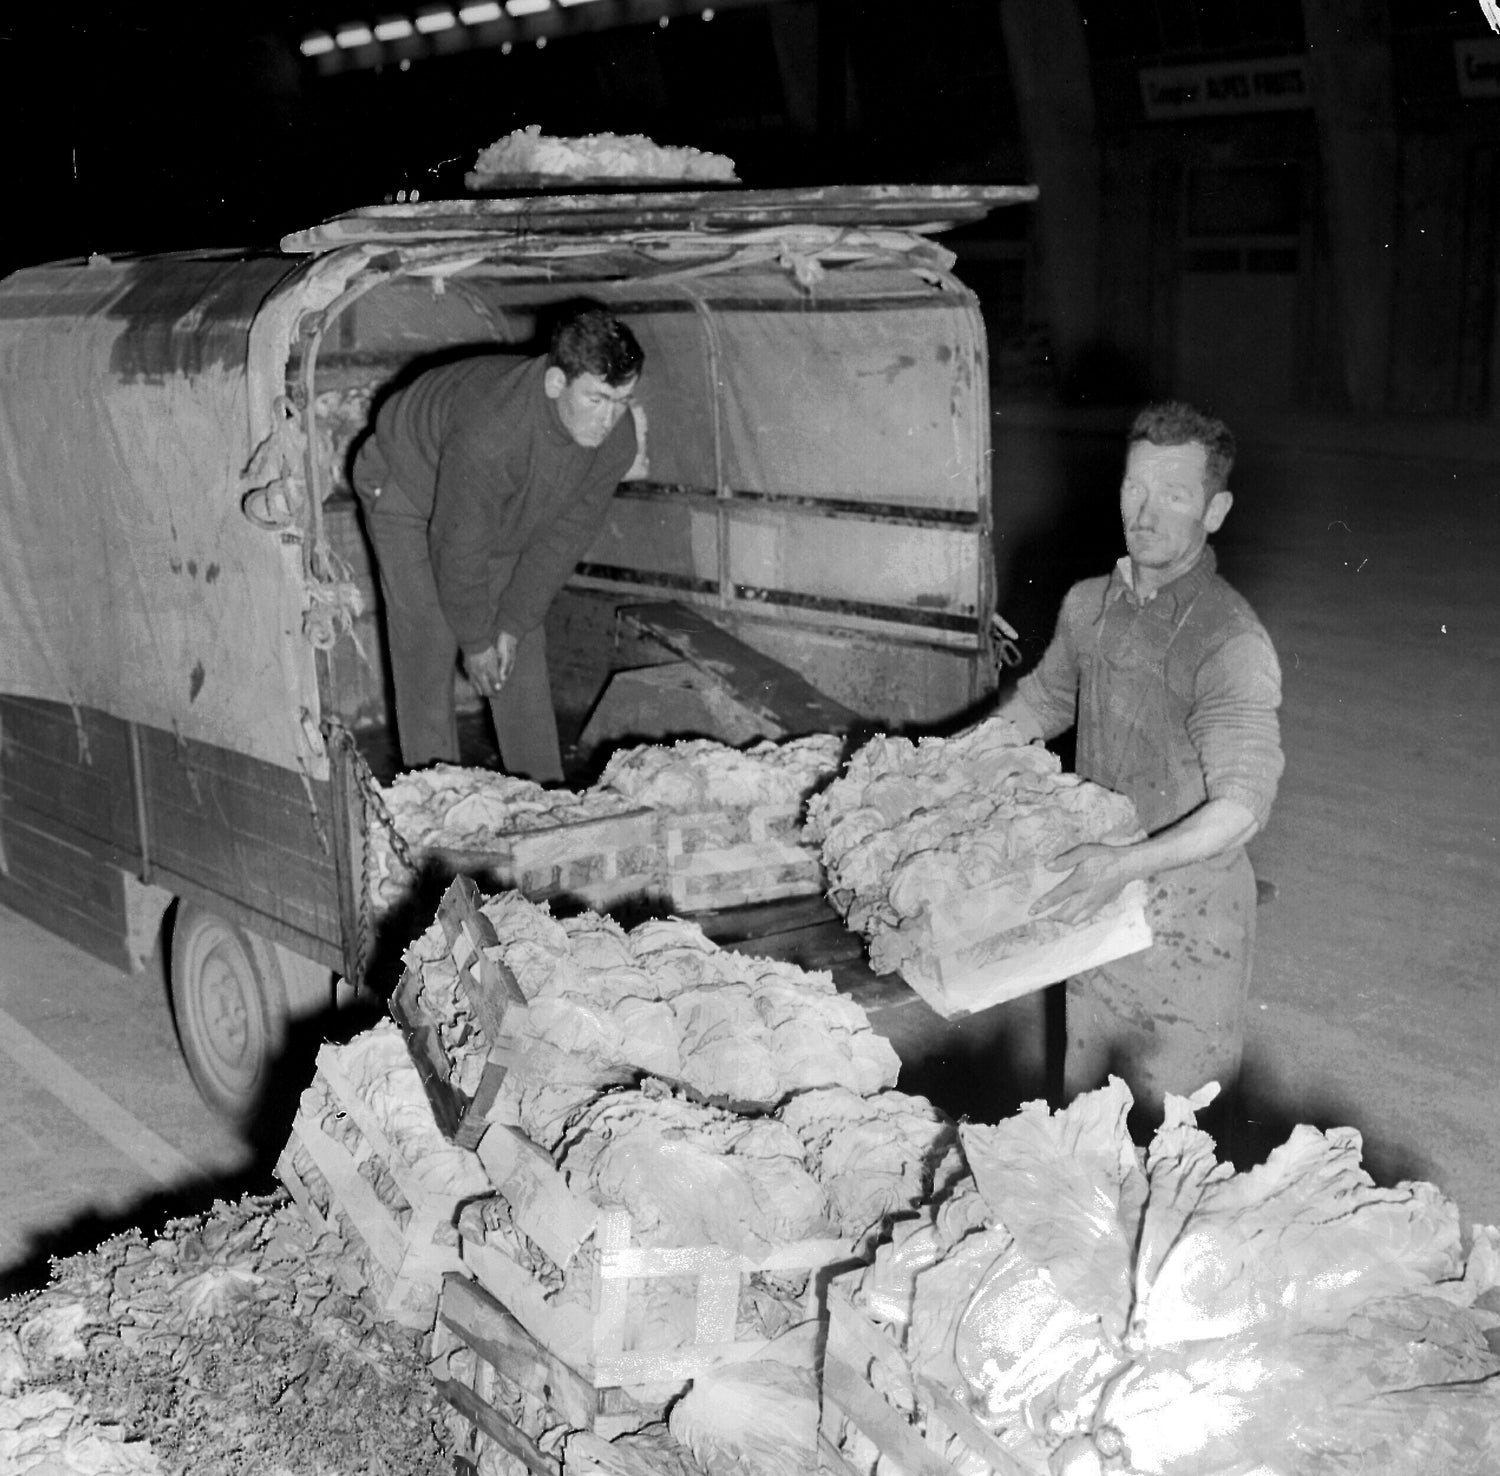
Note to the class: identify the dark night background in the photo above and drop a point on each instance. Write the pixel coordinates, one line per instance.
(1285, 233)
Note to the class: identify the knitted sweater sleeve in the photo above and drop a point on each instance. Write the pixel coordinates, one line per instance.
(1050, 689)
(1233, 722)
(475, 494)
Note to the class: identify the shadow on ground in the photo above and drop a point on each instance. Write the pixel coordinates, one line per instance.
(265, 1136)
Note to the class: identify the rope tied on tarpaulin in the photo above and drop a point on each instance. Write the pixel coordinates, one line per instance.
(334, 601)
(274, 494)
(274, 500)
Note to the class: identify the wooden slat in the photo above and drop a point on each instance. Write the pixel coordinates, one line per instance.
(757, 680)
(499, 1429)
(942, 1405)
(540, 1201)
(424, 1045)
(564, 1331)
(244, 829)
(297, 1188)
(891, 1434)
(854, 1344)
(496, 1336)
(374, 1222)
(64, 889)
(70, 765)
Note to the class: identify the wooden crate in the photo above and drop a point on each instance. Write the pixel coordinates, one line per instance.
(909, 1418)
(577, 1354)
(739, 855)
(604, 862)
(332, 1178)
(559, 1222)
(492, 994)
(966, 962)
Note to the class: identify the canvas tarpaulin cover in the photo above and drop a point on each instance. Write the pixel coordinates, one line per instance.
(802, 410)
(130, 580)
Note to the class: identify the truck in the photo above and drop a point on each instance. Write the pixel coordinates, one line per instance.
(194, 708)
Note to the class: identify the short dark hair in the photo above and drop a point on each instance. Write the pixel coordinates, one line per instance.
(1176, 423)
(595, 342)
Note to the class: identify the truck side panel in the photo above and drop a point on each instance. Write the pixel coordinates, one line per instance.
(86, 798)
(67, 830)
(63, 888)
(224, 826)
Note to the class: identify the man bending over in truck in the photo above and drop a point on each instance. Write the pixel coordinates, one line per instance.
(483, 481)
(1173, 686)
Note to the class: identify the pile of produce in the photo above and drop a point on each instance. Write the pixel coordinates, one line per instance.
(730, 1106)
(914, 828)
(237, 1343)
(629, 156)
(700, 774)
(660, 1000)
(448, 819)
(447, 811)
(1106, 1310)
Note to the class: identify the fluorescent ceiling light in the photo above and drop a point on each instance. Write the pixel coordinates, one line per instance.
(575, 2)
(395, 29)
(527, 7)
(480, 15)
(431, 21)
(319, 43)
(351, 36)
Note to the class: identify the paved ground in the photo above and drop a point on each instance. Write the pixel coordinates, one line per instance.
(1369, 551)
(103, 1127)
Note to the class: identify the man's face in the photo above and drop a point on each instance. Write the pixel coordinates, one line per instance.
(1166, 508)
(588, 407)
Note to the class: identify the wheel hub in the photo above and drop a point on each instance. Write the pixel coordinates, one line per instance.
(225, 1016)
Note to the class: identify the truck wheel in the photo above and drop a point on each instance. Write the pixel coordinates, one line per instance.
(229, 1003)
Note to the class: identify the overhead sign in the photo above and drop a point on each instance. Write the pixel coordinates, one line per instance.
(1478, 66)
(1206, 89)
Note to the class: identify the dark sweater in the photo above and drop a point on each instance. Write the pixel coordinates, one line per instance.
(478, 448)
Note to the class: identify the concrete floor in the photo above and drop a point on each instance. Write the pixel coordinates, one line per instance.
(1370, 553)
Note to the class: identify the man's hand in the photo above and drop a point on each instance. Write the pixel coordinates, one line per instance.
(491, 668)
(1096, 876)
(640, 468)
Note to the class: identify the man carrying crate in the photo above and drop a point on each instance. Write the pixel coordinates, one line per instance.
(1173, 686)
(483, 481)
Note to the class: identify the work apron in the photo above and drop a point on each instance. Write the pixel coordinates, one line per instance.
(1172, 1017)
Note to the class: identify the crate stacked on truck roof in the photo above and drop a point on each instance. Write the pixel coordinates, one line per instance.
(670, 1148)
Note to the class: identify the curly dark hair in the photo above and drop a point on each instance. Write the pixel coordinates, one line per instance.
(1176, 423)
(594, 341)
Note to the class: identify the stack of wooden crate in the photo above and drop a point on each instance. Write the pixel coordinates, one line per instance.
(602, 861)
(386, 1182)
(737, 856)
(521, 1366)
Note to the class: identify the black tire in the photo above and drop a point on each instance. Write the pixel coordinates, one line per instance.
(229, 1004)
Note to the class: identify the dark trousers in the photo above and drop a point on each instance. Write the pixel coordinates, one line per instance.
(424, 654)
